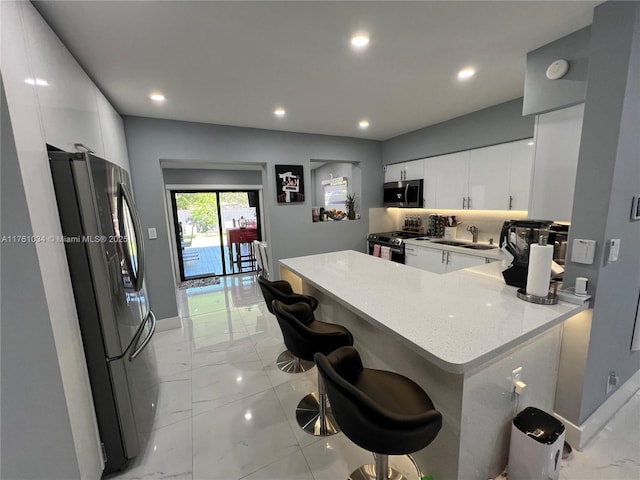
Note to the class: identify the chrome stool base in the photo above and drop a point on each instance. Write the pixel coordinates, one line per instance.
(368, 472)
(289, 363)
(375, 471)
(310, 419)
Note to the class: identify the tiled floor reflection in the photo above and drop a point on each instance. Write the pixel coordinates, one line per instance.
(225, 412)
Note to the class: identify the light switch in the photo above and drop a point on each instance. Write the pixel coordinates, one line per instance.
(153, 234)
(583, 251)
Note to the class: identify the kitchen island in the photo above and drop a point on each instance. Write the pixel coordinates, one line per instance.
(458, 335)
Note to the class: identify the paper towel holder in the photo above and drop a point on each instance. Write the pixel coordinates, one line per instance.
(550, 299)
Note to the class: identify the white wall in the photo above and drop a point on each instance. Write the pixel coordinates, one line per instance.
(69, 110)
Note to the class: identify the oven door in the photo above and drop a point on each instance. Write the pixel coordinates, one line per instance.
(397, 252)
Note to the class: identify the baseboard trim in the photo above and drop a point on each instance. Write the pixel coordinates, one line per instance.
(168, 324)
(579, 435)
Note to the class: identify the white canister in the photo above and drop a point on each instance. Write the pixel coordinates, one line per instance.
(450, 233)
(581, 286)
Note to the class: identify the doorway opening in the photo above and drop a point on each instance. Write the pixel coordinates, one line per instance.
(215, 230)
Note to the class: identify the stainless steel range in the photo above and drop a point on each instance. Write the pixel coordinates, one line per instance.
(393, 240)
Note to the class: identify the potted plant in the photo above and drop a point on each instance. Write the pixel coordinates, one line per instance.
(350, 204)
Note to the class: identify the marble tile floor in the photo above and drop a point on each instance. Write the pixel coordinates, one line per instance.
(225, 412)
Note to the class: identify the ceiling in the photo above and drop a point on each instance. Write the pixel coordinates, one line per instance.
(233, 63)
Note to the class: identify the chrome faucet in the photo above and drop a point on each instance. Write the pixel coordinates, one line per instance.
(474, 232)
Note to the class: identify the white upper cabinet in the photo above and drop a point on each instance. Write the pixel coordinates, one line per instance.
(489, 170)
(490, 178)
(557, 147)
(66, 95)
(113, 138)
(520, 177)
(414, 170)
(396, 172)
(451, 175)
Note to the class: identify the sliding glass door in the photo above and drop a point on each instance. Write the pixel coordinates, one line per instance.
(214, 230)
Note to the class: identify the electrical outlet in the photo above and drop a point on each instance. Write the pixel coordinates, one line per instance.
(612, 381)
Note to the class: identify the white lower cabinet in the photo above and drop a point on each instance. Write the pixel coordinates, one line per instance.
(429, 259)
(458, 261)
(440, 261)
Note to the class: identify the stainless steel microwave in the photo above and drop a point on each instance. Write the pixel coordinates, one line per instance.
(406, 194)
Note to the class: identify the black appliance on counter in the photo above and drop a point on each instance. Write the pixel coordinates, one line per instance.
(517, 235)
(393, 240)
(405, 194)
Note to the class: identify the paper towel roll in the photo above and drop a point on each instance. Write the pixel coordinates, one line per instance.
(539, 274)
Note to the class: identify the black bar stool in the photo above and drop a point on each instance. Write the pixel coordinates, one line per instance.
(305, 336)
(281, 290)
(380, 411)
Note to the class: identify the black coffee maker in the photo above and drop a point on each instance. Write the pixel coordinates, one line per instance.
(515, 238)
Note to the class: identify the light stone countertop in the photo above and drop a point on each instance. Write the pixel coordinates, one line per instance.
(493, 254)
(458, 321)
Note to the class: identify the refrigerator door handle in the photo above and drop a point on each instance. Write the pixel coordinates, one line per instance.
(139, 348)
(137, 230)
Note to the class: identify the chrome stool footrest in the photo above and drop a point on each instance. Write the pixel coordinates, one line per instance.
(289, 363)
(310, 419)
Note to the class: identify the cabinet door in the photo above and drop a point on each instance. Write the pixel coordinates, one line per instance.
(557, 147)
(414, 170)
(113, 138)
(489, 170)
(451, 173)
(68, 105)
(393, 172)
(429, 184)
(520, 177)
(458, 261)
(429, 259)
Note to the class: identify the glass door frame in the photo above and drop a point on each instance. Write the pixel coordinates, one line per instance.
(217, 190)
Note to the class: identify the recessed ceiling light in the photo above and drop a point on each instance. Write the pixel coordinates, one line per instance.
(279, 112)
(157, 97)
(364, 124)
(466, 73)
(360, 40)
(530, 144)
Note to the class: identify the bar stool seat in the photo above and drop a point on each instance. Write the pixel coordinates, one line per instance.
(305, 336)
(281, 290)
(380, 411)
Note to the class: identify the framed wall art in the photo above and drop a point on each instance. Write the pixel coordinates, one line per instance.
(289, 184)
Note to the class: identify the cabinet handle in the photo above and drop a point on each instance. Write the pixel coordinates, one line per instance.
(468, 203)
(510, 202)
(464, 202)
(443, 256)
(448, 257)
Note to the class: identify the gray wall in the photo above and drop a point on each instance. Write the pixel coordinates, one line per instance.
(608, 176)
(202, 176)
(36, 440)
(337, 169)
(289, 228)
(543, 95)
(498, 124)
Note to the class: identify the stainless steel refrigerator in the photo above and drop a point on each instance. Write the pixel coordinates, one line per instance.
(104, 246)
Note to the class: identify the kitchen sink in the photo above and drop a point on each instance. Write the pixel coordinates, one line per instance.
(479, 247)
(453, 243)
